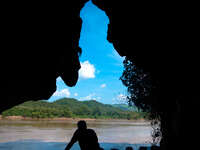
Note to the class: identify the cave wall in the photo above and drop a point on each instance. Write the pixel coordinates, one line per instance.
(39, 43)
(159, 37)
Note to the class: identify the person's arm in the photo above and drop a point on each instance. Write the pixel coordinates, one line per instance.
(73, 140)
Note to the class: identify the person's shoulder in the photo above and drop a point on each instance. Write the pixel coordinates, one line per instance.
(77, 132)
(91, 131)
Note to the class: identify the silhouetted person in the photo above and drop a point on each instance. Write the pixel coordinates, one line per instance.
(87, 138)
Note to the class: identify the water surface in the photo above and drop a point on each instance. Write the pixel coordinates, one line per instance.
(47, 135)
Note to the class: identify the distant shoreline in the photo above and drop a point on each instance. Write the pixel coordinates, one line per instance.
(62, 119)
(35, 119)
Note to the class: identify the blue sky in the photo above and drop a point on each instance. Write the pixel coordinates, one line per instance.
(101, 64)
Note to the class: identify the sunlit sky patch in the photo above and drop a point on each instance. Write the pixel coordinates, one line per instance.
(101, 66)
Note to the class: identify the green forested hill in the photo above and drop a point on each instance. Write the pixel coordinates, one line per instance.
(126, 107)
(68, 107)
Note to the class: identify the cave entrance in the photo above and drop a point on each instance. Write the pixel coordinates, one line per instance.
(100, 87)
(99, 84)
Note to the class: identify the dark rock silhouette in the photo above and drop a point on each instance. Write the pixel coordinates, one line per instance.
(159, 38)
(39, 44)
(87, 138)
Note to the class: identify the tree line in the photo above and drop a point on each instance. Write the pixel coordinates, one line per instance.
(72, 108)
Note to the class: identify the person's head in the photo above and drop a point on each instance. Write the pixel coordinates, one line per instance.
(82, 125)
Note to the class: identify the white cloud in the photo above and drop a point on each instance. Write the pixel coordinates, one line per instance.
(103, 85)
(89, 97)
(63, 92)
(119, 99)
(87, 70)
(75, 94)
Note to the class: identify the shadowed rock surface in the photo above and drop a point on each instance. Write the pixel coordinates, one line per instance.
(40, 43)
(159, 38)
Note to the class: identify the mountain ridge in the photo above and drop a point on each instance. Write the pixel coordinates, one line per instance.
(72, 108)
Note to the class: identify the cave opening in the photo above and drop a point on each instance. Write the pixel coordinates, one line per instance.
(101, 65)
(99, 62)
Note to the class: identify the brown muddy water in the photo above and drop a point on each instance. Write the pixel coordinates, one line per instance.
(54, 135)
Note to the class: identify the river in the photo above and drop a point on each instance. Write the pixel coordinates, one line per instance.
(54, 135)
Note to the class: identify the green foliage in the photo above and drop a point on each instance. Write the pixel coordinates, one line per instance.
(126, 107)
(68, 107)
(140, 86)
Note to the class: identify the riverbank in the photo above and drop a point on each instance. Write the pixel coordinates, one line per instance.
(64, 119)
(35, 119)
